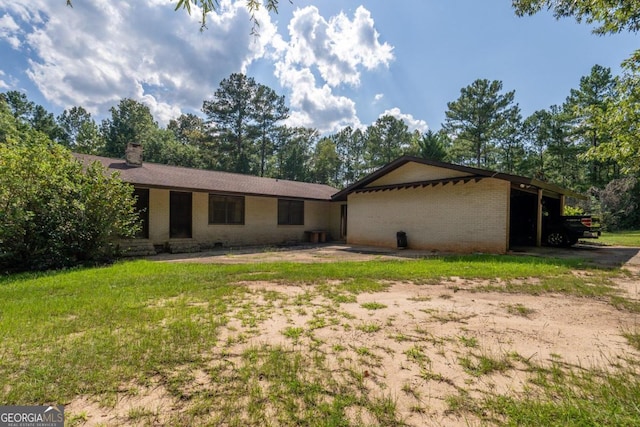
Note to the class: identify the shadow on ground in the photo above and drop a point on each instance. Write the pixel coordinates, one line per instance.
(600, 256)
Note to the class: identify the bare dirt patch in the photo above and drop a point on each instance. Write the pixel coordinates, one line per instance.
(423, 336)
(418, 344)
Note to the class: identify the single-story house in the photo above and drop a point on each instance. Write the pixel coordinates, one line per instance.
(431, 205)
(186, 209)
(446, 207)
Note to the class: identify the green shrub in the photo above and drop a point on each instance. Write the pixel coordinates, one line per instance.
(573, 210)
(55, 213)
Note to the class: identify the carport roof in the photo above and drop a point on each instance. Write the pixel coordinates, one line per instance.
(519, 182)
(155, 175)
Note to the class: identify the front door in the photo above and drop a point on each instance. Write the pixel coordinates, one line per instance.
(180, 215)
(142, 207)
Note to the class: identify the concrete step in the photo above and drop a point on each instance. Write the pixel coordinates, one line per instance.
(136, 248)
(181, 246)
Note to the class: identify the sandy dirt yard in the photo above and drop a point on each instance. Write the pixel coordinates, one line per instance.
(420, 343)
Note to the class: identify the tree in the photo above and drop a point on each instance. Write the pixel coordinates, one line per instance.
(622, 119)
(478, 120)
(79, 131)
(620, 204)
(188, 129)
(326, 163)
(44, 121)
(350, 146)
(564, 167)
(163, 147)
(387, 139)
(207, 6)
(231, 119)
(130, 121)
(53, 212)
(8, 126)
(293, 146)
(269, 109)
(613, 16)
(590, 105)
(433, 145)
(19, 105)
(510, 148)
(30, 115)
(537, 131)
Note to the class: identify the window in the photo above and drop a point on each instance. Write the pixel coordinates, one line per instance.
(290, 212)
(226, 209)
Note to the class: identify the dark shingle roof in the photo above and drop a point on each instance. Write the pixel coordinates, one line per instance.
(174, 177)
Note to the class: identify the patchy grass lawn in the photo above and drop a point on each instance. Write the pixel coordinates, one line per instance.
(353, 343)
(621, 238)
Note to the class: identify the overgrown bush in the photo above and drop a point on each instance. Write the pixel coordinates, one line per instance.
(620, 204)
(55, 213)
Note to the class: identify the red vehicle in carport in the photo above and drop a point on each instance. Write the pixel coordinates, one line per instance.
(564, 231)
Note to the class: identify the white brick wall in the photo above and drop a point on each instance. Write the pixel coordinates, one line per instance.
(471, 217)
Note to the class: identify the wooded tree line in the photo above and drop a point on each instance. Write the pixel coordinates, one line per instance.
(588, 143)
(55, 213)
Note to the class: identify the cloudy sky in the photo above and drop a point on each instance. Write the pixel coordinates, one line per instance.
(337, 62)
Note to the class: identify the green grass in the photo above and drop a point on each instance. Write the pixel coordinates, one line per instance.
(470, 342)
(519, 310)
(293, 332)
(369, 328)
(633, 337)
(416, 354)
(91, 332)
(573, 397)
(373, 306)
(620, 238)
(484, 364)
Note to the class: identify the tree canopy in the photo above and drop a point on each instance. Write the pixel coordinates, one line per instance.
(479, 119)
(207, 6)
(584, 144)
(612, 16)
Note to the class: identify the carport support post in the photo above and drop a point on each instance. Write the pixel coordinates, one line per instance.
(539, 220)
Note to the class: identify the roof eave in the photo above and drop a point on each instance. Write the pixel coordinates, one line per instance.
(514, 179)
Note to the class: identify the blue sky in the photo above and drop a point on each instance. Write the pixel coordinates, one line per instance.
(338, 63)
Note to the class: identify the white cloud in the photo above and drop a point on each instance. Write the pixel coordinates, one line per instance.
(411, 122)
(9, 31)
(315, 106)
(336, 50)
(3, 84)
(99, 52)
(378, 97)
(102, 51)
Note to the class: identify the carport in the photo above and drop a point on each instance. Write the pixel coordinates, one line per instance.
(533, 205)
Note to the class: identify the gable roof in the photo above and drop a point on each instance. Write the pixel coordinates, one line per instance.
(155, 175)
(463, 173)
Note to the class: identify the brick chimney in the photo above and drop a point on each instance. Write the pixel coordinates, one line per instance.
(133, 154)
